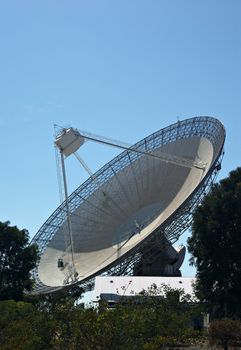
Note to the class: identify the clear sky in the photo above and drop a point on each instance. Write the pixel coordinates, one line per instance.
(122, 69)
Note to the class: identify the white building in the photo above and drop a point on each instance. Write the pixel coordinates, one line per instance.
(112, 288)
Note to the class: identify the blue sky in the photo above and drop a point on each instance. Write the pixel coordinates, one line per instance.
(122, 69)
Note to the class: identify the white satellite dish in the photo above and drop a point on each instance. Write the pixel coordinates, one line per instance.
(125, 216)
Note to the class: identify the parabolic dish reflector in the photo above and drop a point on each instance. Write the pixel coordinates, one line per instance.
(134, 199)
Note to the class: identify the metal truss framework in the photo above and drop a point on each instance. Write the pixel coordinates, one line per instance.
(207, 127)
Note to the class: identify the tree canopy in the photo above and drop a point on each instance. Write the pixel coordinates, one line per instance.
(17, 259)
(215, 246)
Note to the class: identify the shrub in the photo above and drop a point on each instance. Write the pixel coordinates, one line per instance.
(225, 332)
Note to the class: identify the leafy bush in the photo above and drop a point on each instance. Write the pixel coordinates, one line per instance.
(225, 332)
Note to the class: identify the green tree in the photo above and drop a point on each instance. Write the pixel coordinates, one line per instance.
(17, 259)
(215, 246)
(169, 318)
(23, 327)
(11, 311)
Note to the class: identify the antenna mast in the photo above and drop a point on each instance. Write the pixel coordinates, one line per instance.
(68, 141)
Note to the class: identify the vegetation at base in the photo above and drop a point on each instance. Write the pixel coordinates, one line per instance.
(153, 323)
(215, 246)
(17, 259)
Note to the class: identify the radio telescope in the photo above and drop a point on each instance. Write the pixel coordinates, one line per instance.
(124, 218)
